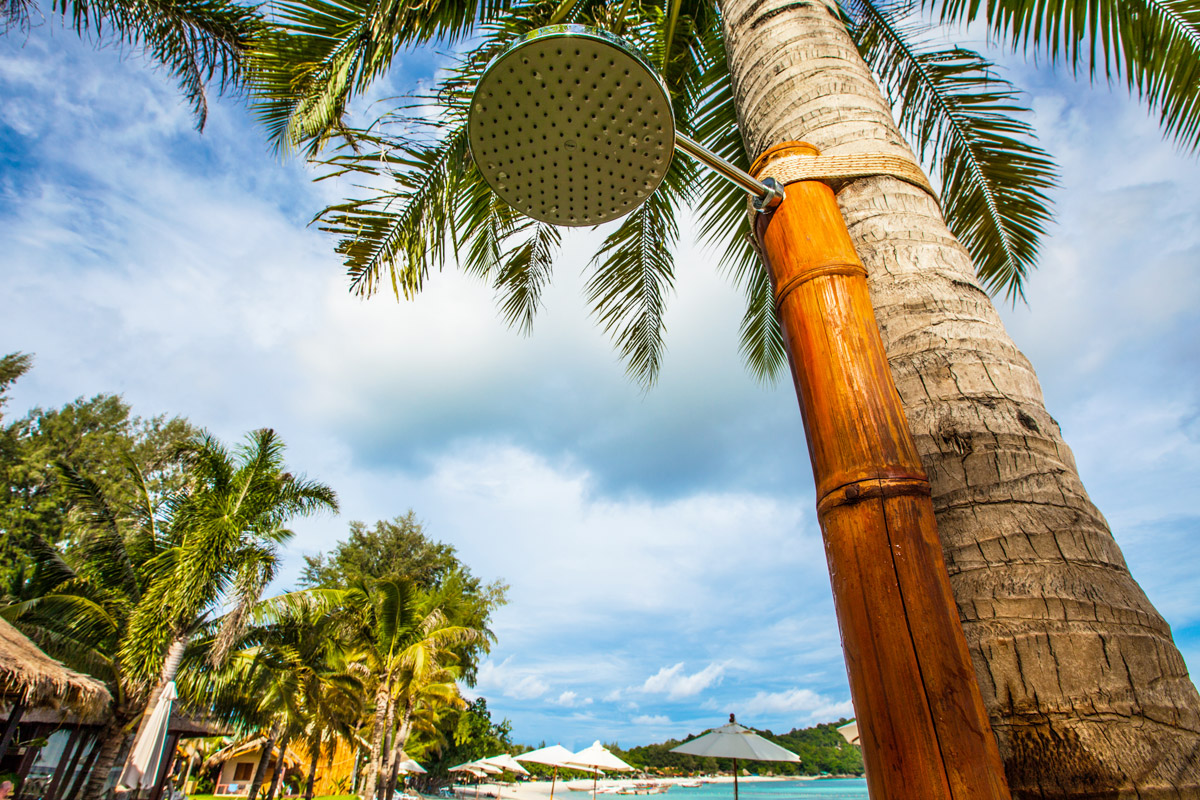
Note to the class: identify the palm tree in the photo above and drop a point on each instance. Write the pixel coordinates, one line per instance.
(198, 41)
(77, 605)
(1085, 688)
(227, 523)
(406, 644)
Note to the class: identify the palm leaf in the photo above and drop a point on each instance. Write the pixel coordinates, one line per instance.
(967, 121)
(1153, 45)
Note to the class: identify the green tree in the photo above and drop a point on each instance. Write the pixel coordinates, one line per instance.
(400, 549)
(98, 437)
(1037, 575)
(396, 548)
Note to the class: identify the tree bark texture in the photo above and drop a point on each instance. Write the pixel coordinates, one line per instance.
(1086, 691)
(280, 768)
(261, 769)
(312, 771)
(379, 728)
(111, 737)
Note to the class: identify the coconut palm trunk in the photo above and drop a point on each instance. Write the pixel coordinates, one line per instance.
(111, 738)
(280, 768)
(1086, 691)
(261, 769)
(382, 707)
(312, 771)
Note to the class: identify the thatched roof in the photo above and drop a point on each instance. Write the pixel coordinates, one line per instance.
(28, 674)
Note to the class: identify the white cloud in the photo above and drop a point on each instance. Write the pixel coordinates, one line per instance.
(803, 704)
(657, 720)
(572, 699)
(509, 680)
(672, 681)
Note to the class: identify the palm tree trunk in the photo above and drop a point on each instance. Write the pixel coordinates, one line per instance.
(261, 769)
(280, 767)
(1086, 691)
(169, 669)
(110, 741)
(312, 771)
(382, 706)
(388, 757)
(403, 729)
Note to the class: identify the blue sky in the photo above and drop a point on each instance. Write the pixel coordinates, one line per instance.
(662, 550)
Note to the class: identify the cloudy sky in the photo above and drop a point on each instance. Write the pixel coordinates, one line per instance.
(661, 547)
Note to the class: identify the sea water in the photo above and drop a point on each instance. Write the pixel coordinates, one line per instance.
(820, 789)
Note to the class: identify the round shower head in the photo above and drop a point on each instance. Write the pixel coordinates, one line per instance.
(569, 125)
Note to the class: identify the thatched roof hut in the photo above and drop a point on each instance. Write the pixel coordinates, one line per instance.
(29, 675)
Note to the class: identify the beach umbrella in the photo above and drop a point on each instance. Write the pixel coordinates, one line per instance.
(553, 756)
(849, 731)
(598, 757)
(736, 742)
(506, 763)
(142, 769)
(408, 765)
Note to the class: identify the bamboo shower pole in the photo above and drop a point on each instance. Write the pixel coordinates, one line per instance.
(922, 723)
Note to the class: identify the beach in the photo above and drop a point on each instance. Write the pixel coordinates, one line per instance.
(752, 787)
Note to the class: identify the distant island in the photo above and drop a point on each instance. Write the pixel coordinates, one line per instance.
(821, 748)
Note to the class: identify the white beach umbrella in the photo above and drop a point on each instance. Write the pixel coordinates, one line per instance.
(553, 756)
(506, 763)
(408, 765)
(849, 731)
(142, 769)
(736, 742)
(598, 757)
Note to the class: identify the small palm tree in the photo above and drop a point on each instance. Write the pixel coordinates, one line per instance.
(227, 524)
(405, 644)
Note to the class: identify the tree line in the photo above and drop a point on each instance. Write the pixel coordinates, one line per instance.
(821, 748)
(138, 551)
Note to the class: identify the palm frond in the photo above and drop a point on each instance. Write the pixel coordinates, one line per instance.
(634, 270)
(400, 230)
(196, 40)
(1153, 45)
(967, 121)
(724, 222)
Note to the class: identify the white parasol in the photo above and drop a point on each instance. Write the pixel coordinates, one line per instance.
(849, 731)
(143, 766)
(553, 756)
(408, 765)
(735, 741)
(505, 762)
(598, 757)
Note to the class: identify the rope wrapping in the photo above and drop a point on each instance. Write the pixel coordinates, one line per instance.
(792, 168)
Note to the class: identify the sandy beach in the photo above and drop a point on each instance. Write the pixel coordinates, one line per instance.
(540, 790)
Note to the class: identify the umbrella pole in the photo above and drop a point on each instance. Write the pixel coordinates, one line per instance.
(595, 777)
(735, 789)
(553, 778)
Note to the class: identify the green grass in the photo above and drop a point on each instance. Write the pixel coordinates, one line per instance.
(317, 797)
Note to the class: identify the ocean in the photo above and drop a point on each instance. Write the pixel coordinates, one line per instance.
(822, 789)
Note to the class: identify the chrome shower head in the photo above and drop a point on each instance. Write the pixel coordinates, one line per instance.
(569, 125)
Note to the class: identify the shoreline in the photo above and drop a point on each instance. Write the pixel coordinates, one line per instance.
(540, 789)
